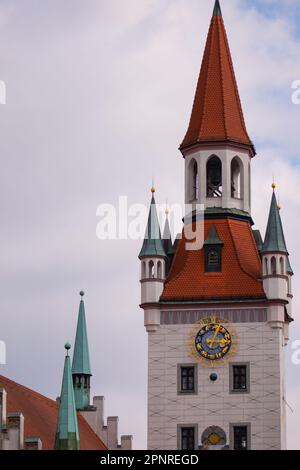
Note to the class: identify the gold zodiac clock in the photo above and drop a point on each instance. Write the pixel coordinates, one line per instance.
(213, 343)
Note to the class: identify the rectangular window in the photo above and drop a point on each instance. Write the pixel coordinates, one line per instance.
(239, 378)
(188, 438)
(240, 438)
(187, 378)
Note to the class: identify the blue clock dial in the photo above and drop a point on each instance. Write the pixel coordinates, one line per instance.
(213, 342)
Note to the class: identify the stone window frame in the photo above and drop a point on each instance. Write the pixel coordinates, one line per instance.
(187, 392)
(231, 382)
(179, 439)
(231, 434)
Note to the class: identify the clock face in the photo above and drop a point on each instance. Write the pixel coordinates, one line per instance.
(213, 342)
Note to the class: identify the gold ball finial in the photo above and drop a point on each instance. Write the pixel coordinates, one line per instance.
(152, 190)
(273, 185)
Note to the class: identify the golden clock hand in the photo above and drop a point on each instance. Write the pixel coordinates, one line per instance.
(212, 341)
(225, 341)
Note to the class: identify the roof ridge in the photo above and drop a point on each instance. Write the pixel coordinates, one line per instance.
(209, 47)
(237, 254)
(237, 95)
(174, 261)
(222, 75)
(84, 422)
(28, 390)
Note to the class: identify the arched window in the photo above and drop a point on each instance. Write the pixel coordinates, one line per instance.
(282, 266)
(214, 177)
(273, 265)
(236, 178)
(159, 270)
(143, 270)
(193, 181)
(151, 270)
(266, 266)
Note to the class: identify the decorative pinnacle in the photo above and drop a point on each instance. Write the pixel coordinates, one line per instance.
(153, 186)
(273, 184)
(217, 9)
(81, 293)
(67, 347)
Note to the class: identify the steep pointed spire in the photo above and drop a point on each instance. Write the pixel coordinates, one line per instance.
(274, 239)
(81, 357)
(153, 244)
(81, 368)
(217, 114)
(67, 434)
(217, 9)
(167, 237)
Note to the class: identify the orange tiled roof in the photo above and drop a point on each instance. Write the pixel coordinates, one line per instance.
(40, 415)
(217, 114)
(241, 267)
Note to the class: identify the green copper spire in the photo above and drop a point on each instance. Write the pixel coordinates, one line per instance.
(167, 237)
(153, 244)
(67, 434)
(81, 368)
(274, 239)
(217, 9)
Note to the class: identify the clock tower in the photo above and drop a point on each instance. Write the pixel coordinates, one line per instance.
(218, 316)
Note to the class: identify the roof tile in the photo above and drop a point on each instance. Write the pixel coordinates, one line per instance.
(217, 114)
(241, 267)
(40, 415)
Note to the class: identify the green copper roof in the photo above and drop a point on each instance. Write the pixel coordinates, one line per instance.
(167, 238)
(217, 9)
(153, 244)
(274, 239)
(67, 434)
(81, 356)
(258, 239)
(213, 237)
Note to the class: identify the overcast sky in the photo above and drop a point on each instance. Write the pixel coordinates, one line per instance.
(99, 94)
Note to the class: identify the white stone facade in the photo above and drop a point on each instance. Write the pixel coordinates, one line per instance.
(263, 409)
(12, 429)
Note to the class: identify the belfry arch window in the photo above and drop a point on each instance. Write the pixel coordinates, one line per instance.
(143, 270)
(266, 266)
(159, 270)
(273, 266)
(236, 178)
(282, 266)
(151, 270)
(193, 181)
(214, 177)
